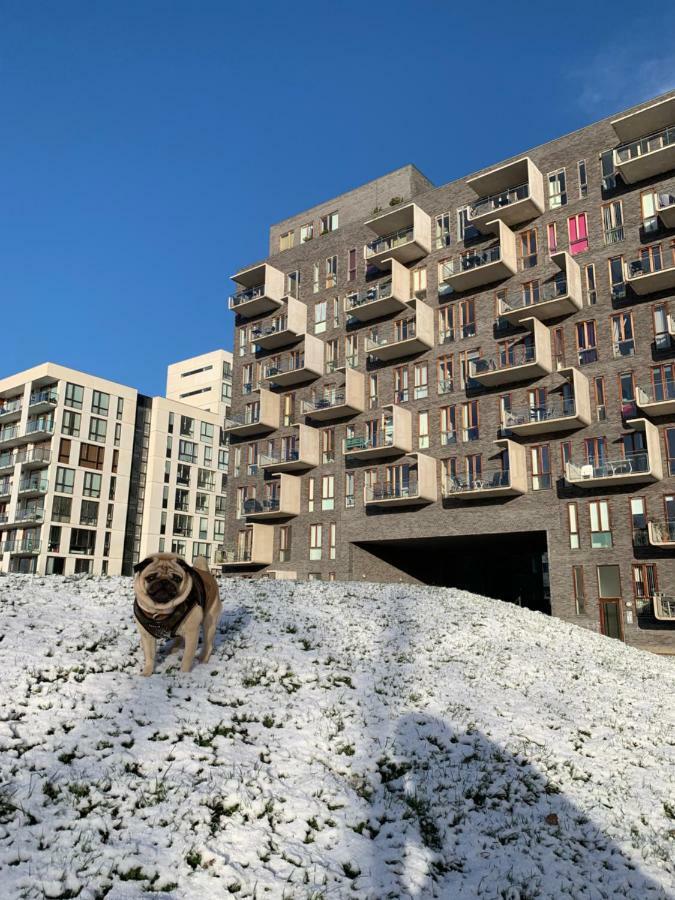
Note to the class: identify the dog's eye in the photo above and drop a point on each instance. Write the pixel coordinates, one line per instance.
(176, 578)
(150, 577)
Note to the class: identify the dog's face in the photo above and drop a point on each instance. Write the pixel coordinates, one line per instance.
(162, 582)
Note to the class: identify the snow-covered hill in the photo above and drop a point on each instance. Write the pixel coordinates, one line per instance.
(344, 741)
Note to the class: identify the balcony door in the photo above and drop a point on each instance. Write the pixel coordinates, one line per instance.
(610, 619)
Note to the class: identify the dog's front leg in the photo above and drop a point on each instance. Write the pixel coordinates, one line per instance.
(149, 645)
(190, 633)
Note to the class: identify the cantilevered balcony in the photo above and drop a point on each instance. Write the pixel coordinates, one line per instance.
(665, 208)
(7, 462)
(648, 142)
(405, 336)
(381, 298)
(479, 266)
(296, 366)
(664, 607)
(260, 416)
(298, 452)
(253, 549)
(337, 401)
(521, 359)
(36, 429)
(261, 290)
(411, 485)
(506, 478)
(565, 408)
(662, 534)
(280, 500)
(657, 399)
(403, 233)
(43, 400)
(559, 296)
(25, 515)
(653, 270)
(33, 486)
(387, 435)
(285, 328)
(639, 467)
(33, 458)
(5, 488)
(10, 410)
(513, 193)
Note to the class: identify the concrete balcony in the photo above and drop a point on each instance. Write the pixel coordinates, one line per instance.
(657, 399)
(513, 193)
(480, 266)
(5, 488)
(560, 296)
(10, 410)
(642, 467)
(653, 271)
(260, 416)
(661, 534)
(648, 142)
(35, 458)
(525, 360)
(296, 367)
(261, 290)
(506, 480)
(43, 401)
(413, 334)
(21, 548)
(33, 487)
(389, 295)
(36, 429)
(336, 402)
(665, 208)
(390, 436)
(254, 549)
(25, 516)
(294, 456)
(282, 503)
(664, 607)
(559, 413)
(286, 328)
(419, 488)
(403, 234)
(7, 462)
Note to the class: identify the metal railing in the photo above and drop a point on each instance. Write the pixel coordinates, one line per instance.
(497, 201)
(269, 504)
(275, 328)
(550, 290)
(651, 263)
(656, 393)
(292, 364)
(24, 546)
(244, 296)
(483, 481)
(33, 484)
(614, 235)
(352, 444)
(10, 407)
(233, 420)
(518, 355)
(664, 606)
(232, 556)
(380, 291)
(623, 348)
(46, 425)
(662, 532)
(29, 515)
(9, 432)
(392, 491)
(471, 259)
(553, 410)
(633, 464)
(34, 455)
(390, 241)
(267, 459)
(398, 335)
(5, 486)
(328, 401)
(634, 149)
(49, 396)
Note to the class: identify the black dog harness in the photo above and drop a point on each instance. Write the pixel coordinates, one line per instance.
(167, 626)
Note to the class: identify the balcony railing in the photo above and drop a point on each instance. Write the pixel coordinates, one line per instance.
(292, 364)
(49, 396)
(46, 425)
(551, 290)
(267, 459)
(9, 432)
(392, 491)
(656, 393)
(515, 356)
(650, 265)
(380, 291)
(390, 241)
(35, 455)
(497, 201)
(233, 420)
(364, 443)
(662, 532)
(657, 141)
(397, 336)
(270, 504)
(472, 259)
(11, 406)
(634, 463)
(559, 410)
(275, 328)
(25, 546)
(5, 486)
(29, 515)
(232, 556)
(336, 398)
(33, 484)
(663, 606)
(488, 480)
(246, 295)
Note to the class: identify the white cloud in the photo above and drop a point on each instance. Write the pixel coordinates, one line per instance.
(617, 81)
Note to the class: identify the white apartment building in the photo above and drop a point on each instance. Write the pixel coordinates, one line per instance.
(204, 381)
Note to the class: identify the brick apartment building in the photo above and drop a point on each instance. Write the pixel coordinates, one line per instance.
(473, 384)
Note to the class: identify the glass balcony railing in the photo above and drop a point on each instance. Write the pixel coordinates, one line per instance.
(390, 241)
(8, 433)
(380, 291)
(5, 487)
(25, 546)
(398, 335)
(481, 481)
(233, 556)
(292, 364)
(46, 425)
(247, 294)
(11, 406)
(336, 398)
(657, 141)
(557, 410)
(392, 491)
(472, 259)
(33, 484)
(665, 201)
(649, 264)
(270, 504)
(519, 355)
(497, 201)
(633, 464)
(657, 393)
(275, 328)
(233, 420)
(48, 396)
(551, 290)
(663, 532)
(33, 456)
(29, 515)
(386, 439)
(268, 459)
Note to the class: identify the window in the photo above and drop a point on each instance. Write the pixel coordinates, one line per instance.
(421, 374)
(609, 582)
(349, 490)
(612, 222)
(601, 534)
(465, 229)
(98, 429)
(579, 589)
(328, 223)
(466, 315)
(332, 543)
(320, 310)
(65, 479)
(187, 426)
(71, 423)
(466, 358)
(64, 451)
(470, 431)
(423, 430)
(187, 451)
(310, 495)
(315, 278)
(669, 436)
(351, 265)
(540, 458)
(315, 541)
(331, 271)
(448, 423)
(617, 284)
(607, 170)
(401, 384)
(286, 241)
(352, 350)
(74, 396)
(293, 284)
(61, 507)
(446, 324)
(111, 489)
(120, 407)
(557, 189)
(328, 492)
(573, 522)
(92, 485)
(591, 291)
(100, 403)
(418, 282)
(306, 232)
(600, 406)
(82, 541)
(284, 543)
(117, 439)
(206, 432)
(89, 512)
(623, 342)
(577, 230)
(650, 221)
(638, 515)
(372, 391)
(444, 373)
(627, 395)
(586, 346)
(645, 585)
(527, 249)
(583, 178)
(552, 234)
(328, 445)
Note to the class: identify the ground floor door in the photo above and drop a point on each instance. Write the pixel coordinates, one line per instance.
(610, 619)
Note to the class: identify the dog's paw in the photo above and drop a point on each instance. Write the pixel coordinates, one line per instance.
(146, 673)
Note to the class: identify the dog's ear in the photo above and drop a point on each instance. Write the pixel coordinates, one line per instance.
(142, 565)
(184, 565)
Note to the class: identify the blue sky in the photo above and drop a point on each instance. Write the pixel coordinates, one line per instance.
(146, 146)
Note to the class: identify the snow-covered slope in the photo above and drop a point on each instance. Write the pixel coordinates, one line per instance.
(344, 741)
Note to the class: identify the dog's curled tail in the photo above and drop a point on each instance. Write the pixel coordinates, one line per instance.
(200, 562)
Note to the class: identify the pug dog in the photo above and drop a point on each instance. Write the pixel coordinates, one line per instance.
(173, 599)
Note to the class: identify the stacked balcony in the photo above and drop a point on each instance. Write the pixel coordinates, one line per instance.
(5, 488)
(665, 208)
(43, 400)
(662, 534)
(25, 515)
(648, 142)
(405, 336)
(664, 607)
(33, 457)
(507, 478)
(513, 193)
(287, 327)
(525, 359)
(640, 467)
(27, 547)
(654, 270)
(261, 290)
(33, 486)
(259, 417)
(403, 234)
(338, 401)
(418, 488)
(254, 549)
(388, 295)
(297, 366)
(10, 409)
(480, 266)
(294, 456)
(560, 296)
(281, 500)
(391, 435)
(560, 412)
(657, 399)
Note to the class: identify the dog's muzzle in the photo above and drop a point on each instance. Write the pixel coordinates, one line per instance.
(162, 590)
